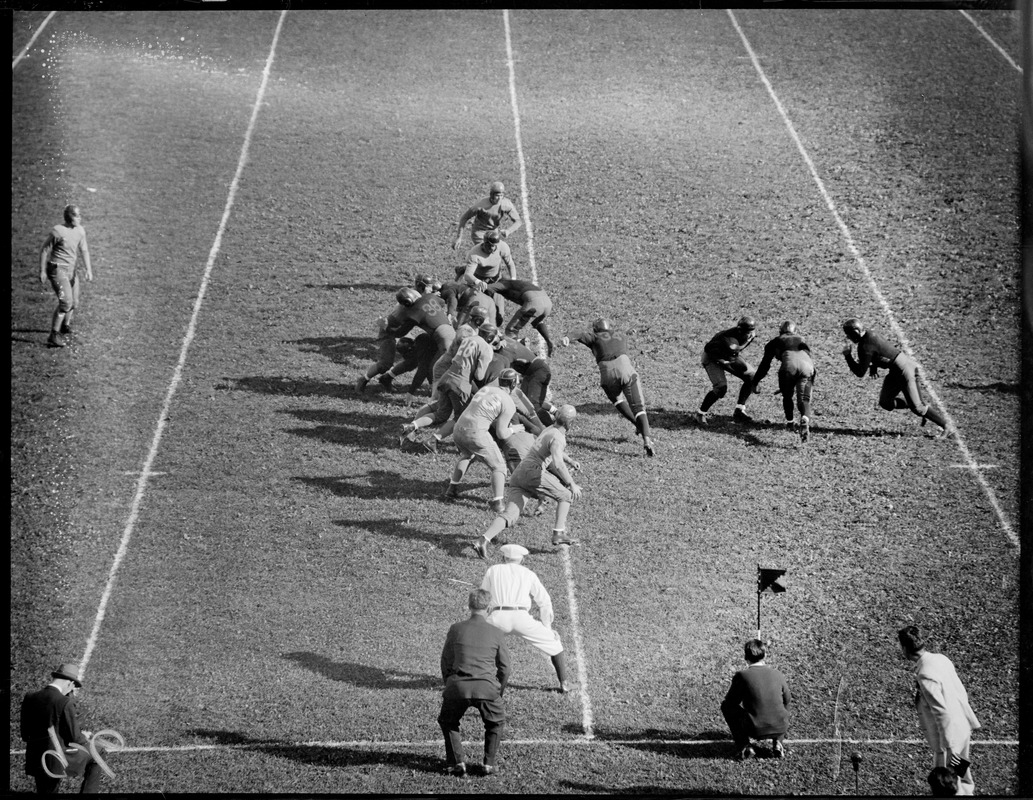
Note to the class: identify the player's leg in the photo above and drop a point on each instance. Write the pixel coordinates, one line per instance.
(744, 372)
(542, 327)
(66, 326)
(615, 394)
(719, 388)
(60, 282)
(786, 386)
(520, 318)
(892, 385)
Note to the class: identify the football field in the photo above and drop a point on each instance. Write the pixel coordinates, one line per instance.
(258, 580)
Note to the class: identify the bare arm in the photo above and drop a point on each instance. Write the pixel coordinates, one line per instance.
(462, 224)
(44, 257)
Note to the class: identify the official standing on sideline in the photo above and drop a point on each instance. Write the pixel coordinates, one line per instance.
(58, 258)
(513, 589)
(795, 375)
(946, 718)
(475, 669)
(873, 352)
(54, 707)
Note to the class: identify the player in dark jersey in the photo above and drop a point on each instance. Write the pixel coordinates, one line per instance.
(875, 353)
(429, 312)
(533, 409)
(795, 375)
(720, 355)
(535, 306)
(389, 329)
(617, 375)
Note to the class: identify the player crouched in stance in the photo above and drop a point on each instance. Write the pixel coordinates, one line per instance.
(722, 354)
(617, 375)
(491, 407)
(541, 474)
(795, 375)
(873, 352)
(389, 329)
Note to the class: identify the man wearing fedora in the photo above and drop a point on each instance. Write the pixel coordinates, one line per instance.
(53, 706)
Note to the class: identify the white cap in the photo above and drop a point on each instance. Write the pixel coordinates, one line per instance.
(513, 552)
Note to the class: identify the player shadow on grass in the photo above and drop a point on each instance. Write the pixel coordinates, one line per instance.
(355, 429)
(361, 674)
(645, 789)
(339, 349)
(704, 744)
(994, 386)
(378, 484)
(322, 755)
(372, 287)
(453, 544)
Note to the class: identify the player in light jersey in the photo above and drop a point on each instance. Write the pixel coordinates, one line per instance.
(490, 410)
(487, 216)
(58, 258)
(542, 474)
(484, 265)
(456, 386)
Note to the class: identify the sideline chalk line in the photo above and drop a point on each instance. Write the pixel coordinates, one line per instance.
(874, 287)
(163, 415)
(25, 50)
(990, 39)
(580, 741)
(587, 721)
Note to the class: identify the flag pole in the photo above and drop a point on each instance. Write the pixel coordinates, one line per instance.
(758, 601)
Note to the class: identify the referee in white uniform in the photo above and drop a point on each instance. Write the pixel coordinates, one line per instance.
(513, 587)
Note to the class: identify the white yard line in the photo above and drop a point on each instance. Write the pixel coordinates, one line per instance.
(990, 39)
(177, 375)
(587, 719)
(381, 744)
(905, 345)
(25, 50)
(528, 227)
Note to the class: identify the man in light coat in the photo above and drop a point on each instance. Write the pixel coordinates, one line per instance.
(942, 704)
(513, 588)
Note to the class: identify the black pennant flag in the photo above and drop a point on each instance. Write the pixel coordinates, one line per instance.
(771, 580)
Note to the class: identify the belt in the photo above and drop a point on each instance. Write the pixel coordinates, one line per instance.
(510, 608)
(610, 358)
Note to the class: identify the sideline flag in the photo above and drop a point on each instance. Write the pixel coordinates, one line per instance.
(771, 580)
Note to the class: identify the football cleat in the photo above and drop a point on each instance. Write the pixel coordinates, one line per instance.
(55, 340)
(805, 429)
(649, 446)
(481, 548)
(741, 416)
(360, 384)
(699, 417)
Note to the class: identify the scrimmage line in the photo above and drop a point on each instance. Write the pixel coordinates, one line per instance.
(177, 375)
(855, 251)
(578, 742)
(587, 720)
